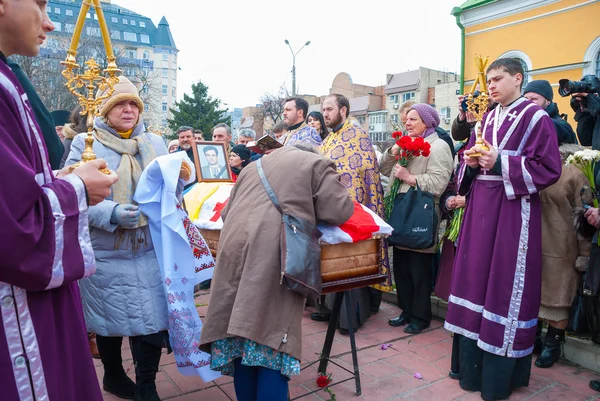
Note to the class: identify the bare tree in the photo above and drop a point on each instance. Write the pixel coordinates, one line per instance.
(272, 106)
(45, 70)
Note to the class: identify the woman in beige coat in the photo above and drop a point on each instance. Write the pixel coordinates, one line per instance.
(253, 323)
(413, 268)
(564, 256)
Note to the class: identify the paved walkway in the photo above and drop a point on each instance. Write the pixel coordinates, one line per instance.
(385, 375)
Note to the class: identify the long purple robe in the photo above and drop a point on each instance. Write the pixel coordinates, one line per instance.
(44, 249)
(496, 280)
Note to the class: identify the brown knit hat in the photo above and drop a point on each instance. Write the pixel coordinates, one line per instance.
(124, 90)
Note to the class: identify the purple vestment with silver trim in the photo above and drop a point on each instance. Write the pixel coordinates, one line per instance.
(496, 280)
(44, 248)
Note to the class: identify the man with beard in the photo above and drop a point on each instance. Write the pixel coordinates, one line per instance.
(294, 115)
(351, 149)
(185, 135)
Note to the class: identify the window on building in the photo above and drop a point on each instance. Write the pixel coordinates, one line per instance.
(174, 58)
(526, 71)
(93, 31)
(131, 53)
(146, 55)
(445, 113)
(598, 64)
(165, 90)
(165, 73)
(164, 122)
(165, 55)
(144, 38)
(69, 13)
(394, 118)
(394, 99)
(130, 36)
(408, 96)
(114, 20)
(125, 21)
(164, 107)
(142, 24)
(361, 120)
(88, 15)
(115, 35)
(56, 10)
(69, 28)
(383, 118)
(174, 92)
(132, 22)
(57, 26)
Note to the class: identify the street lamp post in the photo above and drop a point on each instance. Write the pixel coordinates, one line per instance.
(287, 42)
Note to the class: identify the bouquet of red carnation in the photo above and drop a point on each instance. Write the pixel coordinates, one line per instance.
(409, 149)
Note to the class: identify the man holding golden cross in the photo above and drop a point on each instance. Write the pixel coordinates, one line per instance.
(44, 242)
(496, 286)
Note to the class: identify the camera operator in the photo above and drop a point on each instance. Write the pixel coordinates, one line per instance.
(540, 92)
(587, 115)
(464, 123)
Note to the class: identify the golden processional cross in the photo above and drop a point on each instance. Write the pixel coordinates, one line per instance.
(85, 86)
(478, 105)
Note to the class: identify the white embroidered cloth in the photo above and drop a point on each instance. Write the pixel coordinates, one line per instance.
(184, 260)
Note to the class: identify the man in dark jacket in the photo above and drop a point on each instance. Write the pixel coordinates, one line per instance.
(464, 123)
(540, 92)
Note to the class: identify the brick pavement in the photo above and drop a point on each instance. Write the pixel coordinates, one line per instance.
(385, 375)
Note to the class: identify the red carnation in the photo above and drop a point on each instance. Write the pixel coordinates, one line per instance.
(425, 153)
(323, 380)
(419, 141)
(396, 134)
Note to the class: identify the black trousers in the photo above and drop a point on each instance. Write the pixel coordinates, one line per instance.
(413, 275)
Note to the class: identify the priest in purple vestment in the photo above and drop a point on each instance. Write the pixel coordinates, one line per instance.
(496, 281)
(44, 241)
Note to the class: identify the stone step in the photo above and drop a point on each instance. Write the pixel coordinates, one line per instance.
(576, 350)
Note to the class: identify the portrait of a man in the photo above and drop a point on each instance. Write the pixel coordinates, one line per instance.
(212, 161)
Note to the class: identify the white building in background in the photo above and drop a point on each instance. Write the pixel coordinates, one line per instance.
(146, 53)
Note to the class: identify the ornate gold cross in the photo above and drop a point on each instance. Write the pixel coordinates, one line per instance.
(85, 86)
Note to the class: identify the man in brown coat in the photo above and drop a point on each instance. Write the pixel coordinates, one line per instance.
(250, 312)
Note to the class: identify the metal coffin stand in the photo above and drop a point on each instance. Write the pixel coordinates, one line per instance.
(343, 267)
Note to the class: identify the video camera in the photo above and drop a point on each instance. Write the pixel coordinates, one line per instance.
(588, 84)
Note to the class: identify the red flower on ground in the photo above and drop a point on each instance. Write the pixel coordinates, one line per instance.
(323, 380)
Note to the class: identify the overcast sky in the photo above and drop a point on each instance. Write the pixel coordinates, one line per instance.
(237, 48)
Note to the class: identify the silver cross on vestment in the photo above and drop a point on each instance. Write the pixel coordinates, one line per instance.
(512, 116)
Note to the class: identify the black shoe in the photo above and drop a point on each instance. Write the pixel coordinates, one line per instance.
(399, 321)
(344, 332)
(205, 285)
(453, 375)
(595, 385)
(414, 328)
(552, 348)
(119, 385)
(317, 317)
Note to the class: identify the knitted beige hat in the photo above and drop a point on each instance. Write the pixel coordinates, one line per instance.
(124, 90)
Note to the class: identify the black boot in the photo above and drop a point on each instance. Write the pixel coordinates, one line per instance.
(147, 358)
(539, 344)
(115, 379)
(552, 348)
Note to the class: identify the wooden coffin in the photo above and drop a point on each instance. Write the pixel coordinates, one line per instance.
(339, 262)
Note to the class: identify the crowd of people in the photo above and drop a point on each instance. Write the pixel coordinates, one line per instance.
(75, 243)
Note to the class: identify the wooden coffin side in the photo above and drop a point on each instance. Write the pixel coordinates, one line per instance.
(338, 262)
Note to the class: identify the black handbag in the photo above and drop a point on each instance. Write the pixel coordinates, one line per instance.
(300, 249)
(414, 220)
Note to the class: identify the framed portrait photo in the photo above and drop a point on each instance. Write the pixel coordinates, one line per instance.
(212, 162)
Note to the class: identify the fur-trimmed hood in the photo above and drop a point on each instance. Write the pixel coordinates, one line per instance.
(69, 131)
(567, 149)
